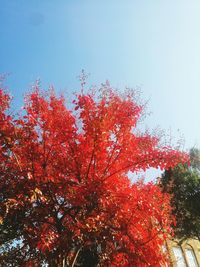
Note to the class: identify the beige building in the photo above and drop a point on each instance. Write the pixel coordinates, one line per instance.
(186, 254)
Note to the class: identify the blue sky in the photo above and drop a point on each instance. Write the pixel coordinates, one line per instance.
(151, 44)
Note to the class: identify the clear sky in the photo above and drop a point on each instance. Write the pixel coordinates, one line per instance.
(153, 44)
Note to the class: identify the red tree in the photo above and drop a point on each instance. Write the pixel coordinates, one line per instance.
(66, 198)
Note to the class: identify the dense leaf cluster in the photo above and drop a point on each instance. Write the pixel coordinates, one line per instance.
(183, 183)
(65, 195)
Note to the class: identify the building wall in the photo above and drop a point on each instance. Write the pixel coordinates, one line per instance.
(189, 249)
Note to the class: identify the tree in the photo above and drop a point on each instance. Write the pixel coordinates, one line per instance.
(183, 183)
(66, 199)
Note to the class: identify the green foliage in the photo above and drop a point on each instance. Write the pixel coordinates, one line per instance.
(183, 183)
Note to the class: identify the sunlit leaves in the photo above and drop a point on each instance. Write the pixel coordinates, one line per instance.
(64, 181)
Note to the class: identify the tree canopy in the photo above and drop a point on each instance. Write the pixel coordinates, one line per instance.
(65, 195)
(183, 183)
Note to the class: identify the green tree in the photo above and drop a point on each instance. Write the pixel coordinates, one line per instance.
(183, 183)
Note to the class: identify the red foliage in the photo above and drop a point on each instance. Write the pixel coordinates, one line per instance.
(64, 177)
